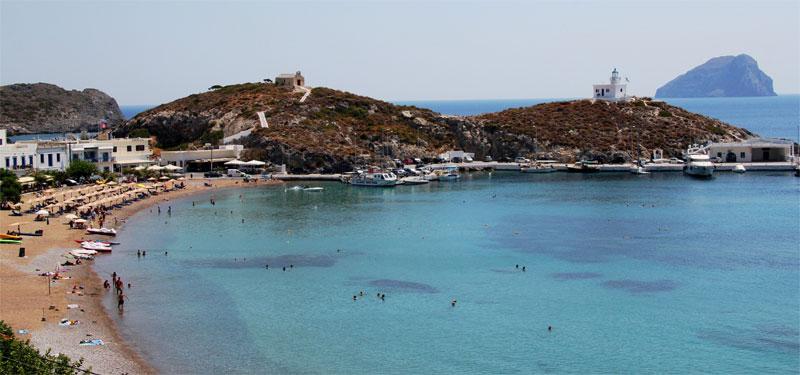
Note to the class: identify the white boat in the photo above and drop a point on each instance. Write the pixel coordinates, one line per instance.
(430, 176)
(415, 181)
(309, 188)
(374, 179)
(83, 253)
(538, 168)
(739, 168)
(698, 165)
(449, 173)
(103, 231)
(96, 246)
(636, 169)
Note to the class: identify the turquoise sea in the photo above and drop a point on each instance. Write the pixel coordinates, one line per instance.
(658, 273)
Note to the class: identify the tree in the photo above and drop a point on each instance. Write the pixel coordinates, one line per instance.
(215, 87)
(267, 80)
(10, 188)
(81, 169)
(59, 176)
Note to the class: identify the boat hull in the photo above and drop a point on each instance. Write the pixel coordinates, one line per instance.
(538, 170)
(699, 171)
(101, 232)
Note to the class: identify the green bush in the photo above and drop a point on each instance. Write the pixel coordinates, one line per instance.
(10, 188)
(20, 357)
(139, 133)
(716, 130)
(212, 137)
(665, 113)
(639, 103)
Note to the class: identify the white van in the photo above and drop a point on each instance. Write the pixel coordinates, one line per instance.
(235, 173)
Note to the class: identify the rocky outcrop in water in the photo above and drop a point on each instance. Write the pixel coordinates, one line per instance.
(45, 108)
(333, 131)
(718, 77)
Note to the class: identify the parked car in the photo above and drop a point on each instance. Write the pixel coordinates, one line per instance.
(675, 161)
(521, 159)
(417, 160)
(457, 160)
(412, 172)
(408, 161)
(212, 174)
(467, 159)
(505, 159)
(487, 158)
(70, 182)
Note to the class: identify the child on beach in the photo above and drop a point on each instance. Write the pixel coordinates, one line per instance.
(121, 301)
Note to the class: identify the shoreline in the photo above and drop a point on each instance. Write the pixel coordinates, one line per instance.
(24, 298)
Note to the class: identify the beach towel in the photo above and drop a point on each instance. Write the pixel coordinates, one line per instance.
(23, 332)
(67, 322)
(94, 342)
(72, 306)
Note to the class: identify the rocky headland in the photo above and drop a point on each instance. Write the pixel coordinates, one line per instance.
(333, 131)
(719, 77)
(44, 108)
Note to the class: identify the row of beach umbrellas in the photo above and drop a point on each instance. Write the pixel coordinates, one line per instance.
(251, 163)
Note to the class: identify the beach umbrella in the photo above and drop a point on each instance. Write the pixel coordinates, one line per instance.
(112, 183)
(171, 167)
(255, 163)
(139, 168)
(235, 162)
(42, 213)
(164, 178)
(181, 179)
(155, 168)
(80, 221)
(17, 224)
(71, 216)
(151, 179)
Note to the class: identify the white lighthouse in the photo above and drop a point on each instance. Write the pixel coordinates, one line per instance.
(613, 92)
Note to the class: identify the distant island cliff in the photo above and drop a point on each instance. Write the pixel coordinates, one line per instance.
(724, 76)
(29, 108)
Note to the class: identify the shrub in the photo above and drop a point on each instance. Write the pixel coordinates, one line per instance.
(139, 133)
(81, 169)
(665, 113)
(639, 103)
(10, 188)
(20, 357)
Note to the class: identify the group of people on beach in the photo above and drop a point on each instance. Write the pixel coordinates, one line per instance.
(118, 286)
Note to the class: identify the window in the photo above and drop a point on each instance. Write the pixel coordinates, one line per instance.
(41, 158)
(8, 162)
(719, 154)
(139, 147)
(741, 155)
(105, 169)
(1, 142)
(596, 90)
(115, 148)
(50, 160)
(105, 157)
(620, 90)
(129, 148)
(74, 156)
(30, 160)
(58, 157)
(15, 161)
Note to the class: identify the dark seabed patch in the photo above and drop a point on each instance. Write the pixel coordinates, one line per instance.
(638, 286)
(297, 260)
(575, 276)
(784, 341)
(403, 286)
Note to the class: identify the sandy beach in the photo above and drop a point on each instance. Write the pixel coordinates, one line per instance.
(27, 302)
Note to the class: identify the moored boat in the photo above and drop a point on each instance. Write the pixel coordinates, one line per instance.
(10, 237)
(583, 167)
(374, 179)
(448, 173)
(538, 168)
(739, 168)
(5, 240)
(415, 181)
(83, 253)
(698, 165)
(96, 246)
(103, 231)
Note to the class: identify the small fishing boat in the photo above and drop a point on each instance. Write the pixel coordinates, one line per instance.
(739, 168)
(309, 188)
(538, 168)
(374, 179)
(103, 231)
(415, 181)
(10, 241)
(109, 243)
(10, 237)
(83, 253)
(449, 173)
(583, 167)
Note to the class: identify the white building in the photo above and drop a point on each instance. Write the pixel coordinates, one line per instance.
(450, 155)
(752, 150)
(52, 156)
(130, 152)
(614, 91)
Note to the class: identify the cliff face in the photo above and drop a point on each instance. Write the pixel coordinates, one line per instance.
(334, 131)
(720, 76)
(45, 108)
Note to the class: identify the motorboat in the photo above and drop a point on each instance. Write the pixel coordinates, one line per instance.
(698, 165)
(449, 173)
(10, 237)
(638, 169)
(96, 246)
(103, 231)
(6, 240)
(739, 168)
(538, 168)
(583, 167)
(109, 243)
(430, 176)
(415, 181)
(381, 179)
(309, 188)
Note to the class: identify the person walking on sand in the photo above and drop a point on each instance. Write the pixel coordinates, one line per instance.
(121, 301)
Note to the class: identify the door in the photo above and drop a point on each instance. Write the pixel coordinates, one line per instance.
(765, 154)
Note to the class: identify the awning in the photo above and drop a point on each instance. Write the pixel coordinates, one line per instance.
(215, 160)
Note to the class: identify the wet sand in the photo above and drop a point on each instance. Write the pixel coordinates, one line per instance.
(25, 297)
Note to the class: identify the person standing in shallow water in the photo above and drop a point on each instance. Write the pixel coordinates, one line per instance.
(121, 301)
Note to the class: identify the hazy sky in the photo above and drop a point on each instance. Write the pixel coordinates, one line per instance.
(157, 51)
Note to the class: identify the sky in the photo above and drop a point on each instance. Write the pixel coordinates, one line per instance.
(153, 52)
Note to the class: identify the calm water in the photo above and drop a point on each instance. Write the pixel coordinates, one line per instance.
(702, 278)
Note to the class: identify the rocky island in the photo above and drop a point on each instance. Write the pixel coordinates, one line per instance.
(45, 108)
(719, 77)
(333, 131)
